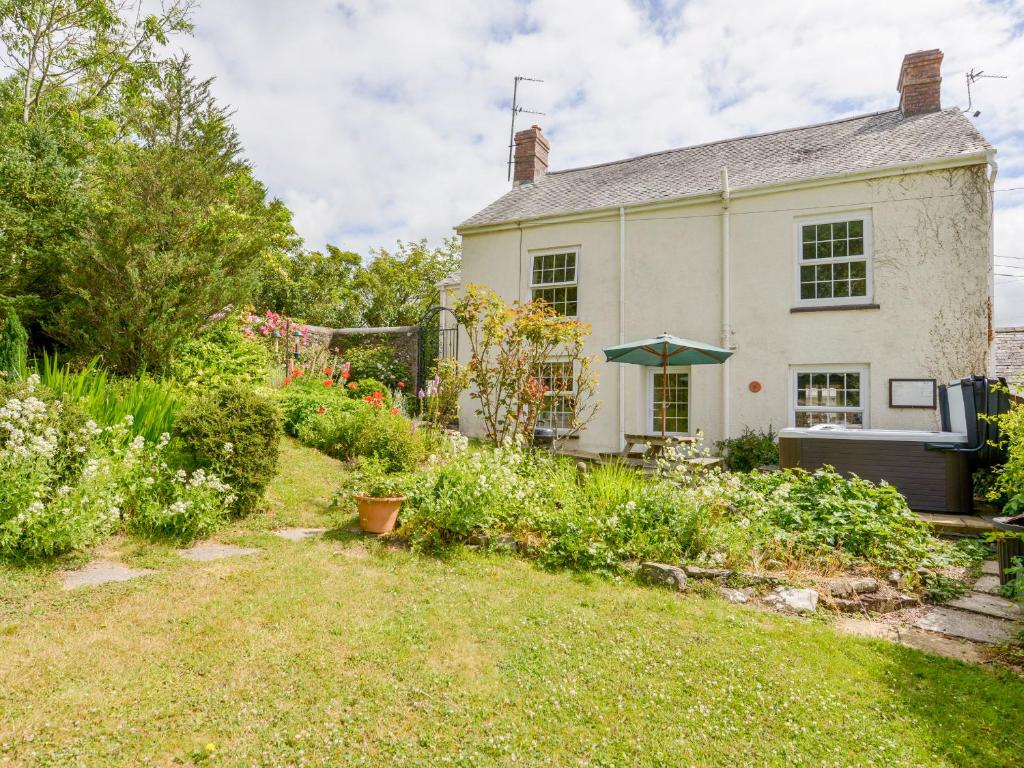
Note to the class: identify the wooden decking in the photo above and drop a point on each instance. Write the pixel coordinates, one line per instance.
(961, 525)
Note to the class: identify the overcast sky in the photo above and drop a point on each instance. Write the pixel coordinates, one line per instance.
(377, 120)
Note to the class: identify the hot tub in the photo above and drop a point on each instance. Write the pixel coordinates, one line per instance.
(924, 466)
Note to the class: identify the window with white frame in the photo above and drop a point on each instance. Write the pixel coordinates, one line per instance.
(834, 260)
(674, 386)
(559, 384)
(553, 279)
(830, 395)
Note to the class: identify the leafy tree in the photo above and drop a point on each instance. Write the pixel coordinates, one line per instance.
(398, 287)
(13, 346)
(179, 229)
(92, 50)
(317, 286)
(43, 207)
(509, 370)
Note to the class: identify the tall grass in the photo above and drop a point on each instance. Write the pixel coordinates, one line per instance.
(152, 403)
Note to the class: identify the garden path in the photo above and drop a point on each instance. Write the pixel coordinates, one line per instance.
(106, 571)
(959, 629)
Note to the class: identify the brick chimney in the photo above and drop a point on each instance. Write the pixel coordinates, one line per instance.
(531, 155)
(920, 82)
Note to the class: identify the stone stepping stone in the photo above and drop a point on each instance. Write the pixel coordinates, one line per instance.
(990, 567)
(209, 551)
(988, 584)
(101, 572)
(299, 534)
(966, 625)
(913, 638)
(942, 645)
(988, 605)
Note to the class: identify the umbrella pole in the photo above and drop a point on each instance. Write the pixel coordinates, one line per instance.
(664, 377)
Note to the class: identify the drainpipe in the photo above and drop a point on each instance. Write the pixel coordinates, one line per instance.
(622, 324)
(726, 302)
(990, 363)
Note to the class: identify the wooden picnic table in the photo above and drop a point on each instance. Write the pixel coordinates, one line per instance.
(655, 443)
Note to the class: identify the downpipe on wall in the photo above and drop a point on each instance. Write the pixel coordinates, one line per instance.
(622, 324)
(726, 303)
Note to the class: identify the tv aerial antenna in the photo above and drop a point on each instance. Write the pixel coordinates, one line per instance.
(973, 76)
(517, 110)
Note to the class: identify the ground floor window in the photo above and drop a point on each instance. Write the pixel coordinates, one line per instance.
(559, 395)
(676, 388)
(830, 395)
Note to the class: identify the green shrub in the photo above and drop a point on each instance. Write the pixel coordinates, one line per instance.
(57, 488)
(150, 404)
(333, 428)
(221, 355)
(234, 432)
(366, 387)
(13, 347)
(1009, 483)
(377, 362)
(391, 438)
(750, 450)
(606, 518)
(303, 398)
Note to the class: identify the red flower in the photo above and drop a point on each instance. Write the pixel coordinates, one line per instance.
(401, 385)
(297, 372)
(328, 383)
(352, 385)
(376, 399)
(395, 410)
(321, 410)
(287, 380)
(328, 371)
(345, 374)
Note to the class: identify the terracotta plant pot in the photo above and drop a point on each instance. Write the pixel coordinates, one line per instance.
(378, 515)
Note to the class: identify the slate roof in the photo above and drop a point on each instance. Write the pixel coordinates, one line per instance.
(827, 149)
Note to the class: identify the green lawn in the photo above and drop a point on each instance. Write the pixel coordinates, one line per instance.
(343, 652)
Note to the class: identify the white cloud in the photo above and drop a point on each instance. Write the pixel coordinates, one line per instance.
(376, 120)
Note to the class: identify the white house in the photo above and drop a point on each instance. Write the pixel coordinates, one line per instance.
(834, 259)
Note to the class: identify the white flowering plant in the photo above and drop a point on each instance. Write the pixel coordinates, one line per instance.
(66, 482)
(55, 495)
(167, 502)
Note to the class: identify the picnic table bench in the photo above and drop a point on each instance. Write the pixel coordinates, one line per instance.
(655, 443)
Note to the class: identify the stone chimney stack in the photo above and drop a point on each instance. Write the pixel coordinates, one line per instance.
(920, 82)
(531, 155)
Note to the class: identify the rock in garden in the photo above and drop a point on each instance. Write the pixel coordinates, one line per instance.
(763, 578)
(847, 606)
(738, 596)
(880, 603)
(793, 600)
(506, 542)
(663, 575)
(851, 586)
(697, 572)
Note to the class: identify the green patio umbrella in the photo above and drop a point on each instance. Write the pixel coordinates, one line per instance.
(665, 350)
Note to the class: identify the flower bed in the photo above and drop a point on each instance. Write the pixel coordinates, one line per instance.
(611, 517)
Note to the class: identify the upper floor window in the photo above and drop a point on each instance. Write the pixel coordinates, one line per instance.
(834, 261)
(553, 279)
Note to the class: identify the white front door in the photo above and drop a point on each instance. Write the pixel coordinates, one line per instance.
(676, 388)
